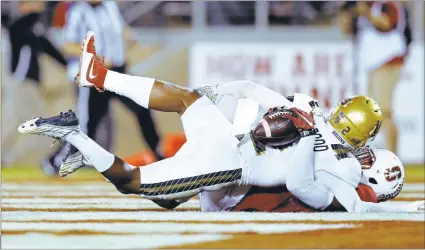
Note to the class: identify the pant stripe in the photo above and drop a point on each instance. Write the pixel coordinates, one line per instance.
(190, 183)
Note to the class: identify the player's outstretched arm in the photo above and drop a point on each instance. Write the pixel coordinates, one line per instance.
(347, 196)
(265, 97)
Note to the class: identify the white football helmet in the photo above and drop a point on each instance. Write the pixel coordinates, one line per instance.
(382, 171)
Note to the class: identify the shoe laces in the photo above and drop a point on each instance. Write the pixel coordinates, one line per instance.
(60, 140)
(62, 115)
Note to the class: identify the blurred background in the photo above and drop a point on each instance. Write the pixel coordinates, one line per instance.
(327, 49)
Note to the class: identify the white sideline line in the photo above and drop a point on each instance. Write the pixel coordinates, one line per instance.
(166, 228)
(210, 216)
(42, 241)
(411, 195)
(414, 187)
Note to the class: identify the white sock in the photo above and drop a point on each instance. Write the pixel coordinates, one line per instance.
(101, 159)
(136, 88)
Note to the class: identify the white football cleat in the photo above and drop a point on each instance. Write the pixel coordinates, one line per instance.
(73, 161)
(55, 127)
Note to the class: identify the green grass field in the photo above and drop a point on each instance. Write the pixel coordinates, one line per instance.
(414, 174)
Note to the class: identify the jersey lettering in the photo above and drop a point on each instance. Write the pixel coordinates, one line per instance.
(314, 104)
(338, 137)
(320, 143)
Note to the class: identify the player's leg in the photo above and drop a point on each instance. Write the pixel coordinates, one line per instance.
(206, 161)
(191, 171)
(381, 87)
(145, 91)
(65, 127)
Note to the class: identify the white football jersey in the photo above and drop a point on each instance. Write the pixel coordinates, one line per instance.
(332, 157)
(329, 153)
(269, 167)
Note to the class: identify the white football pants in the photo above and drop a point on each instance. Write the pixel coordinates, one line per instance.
(206, 162)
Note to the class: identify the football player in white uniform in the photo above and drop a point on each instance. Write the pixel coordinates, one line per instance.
(386, 177)
(381, 181)
(382, 171)
(302, 180)
(208, 161)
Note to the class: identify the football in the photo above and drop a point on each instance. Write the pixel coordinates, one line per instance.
(276, 130)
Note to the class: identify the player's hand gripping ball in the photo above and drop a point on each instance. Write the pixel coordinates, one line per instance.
(282, 126)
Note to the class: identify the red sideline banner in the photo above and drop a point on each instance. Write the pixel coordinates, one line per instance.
(321, 70)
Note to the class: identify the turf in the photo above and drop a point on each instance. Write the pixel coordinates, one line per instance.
(415, 173)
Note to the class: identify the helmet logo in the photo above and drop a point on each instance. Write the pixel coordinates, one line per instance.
(346, 102)
(393, 173)
(338, 118)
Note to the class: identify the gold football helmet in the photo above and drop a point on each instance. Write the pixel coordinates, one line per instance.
(357, 120)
